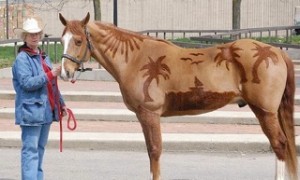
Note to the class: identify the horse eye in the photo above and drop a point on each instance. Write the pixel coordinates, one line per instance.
(78, 42)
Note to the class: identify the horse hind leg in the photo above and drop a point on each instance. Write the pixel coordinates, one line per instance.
(280, 170)
(150, 123)
(270, 125)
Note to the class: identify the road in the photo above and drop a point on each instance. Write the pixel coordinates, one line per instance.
(124, 165)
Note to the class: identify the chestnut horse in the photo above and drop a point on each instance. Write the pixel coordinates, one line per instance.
(158, 78)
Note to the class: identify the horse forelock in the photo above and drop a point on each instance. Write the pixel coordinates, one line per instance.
(74, 27)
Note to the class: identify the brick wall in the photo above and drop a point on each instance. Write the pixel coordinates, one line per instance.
(16, 14)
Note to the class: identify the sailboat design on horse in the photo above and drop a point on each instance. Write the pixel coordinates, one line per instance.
(158, 78)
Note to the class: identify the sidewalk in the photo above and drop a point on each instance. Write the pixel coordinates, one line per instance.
(119, 135)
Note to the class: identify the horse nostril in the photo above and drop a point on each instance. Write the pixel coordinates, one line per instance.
(68, 74)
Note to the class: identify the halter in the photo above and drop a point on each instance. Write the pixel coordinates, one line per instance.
(80, 62)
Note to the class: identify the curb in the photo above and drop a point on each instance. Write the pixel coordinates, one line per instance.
(94, 75)
(124, 115)
(92, 96)
(135, 142)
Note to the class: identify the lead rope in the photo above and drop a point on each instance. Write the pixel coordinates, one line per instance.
(70, 117)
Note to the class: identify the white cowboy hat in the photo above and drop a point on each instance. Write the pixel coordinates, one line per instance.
(30, 25)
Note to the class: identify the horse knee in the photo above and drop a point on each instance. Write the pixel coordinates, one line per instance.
(279, 147)
(155, 153)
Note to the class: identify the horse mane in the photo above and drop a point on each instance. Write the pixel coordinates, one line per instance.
(125, 32)
(75, 28)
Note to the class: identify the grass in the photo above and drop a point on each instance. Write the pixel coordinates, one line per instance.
(51, 52)
(294, 39)
(186, 40)
(7, 55)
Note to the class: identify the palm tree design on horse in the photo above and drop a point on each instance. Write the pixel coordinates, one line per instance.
(154, 69)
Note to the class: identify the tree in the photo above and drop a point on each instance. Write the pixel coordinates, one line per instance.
(97, 9)
(236, 14)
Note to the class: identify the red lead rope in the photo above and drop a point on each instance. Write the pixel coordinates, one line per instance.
(70, 117)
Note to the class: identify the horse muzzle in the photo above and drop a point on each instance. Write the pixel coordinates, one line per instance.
(68, 74)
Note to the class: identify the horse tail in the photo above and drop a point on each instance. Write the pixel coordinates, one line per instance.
(286, 119)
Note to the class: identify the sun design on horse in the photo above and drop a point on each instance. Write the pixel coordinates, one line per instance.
(229, 55)
(120, 40)
(263, 54)
(154, 69)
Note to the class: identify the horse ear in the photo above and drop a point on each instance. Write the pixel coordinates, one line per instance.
(62, 19)
(86, 19)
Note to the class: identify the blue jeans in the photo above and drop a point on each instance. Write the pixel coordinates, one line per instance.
(34, 140)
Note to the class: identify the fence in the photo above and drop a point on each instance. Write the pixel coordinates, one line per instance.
(280, 36)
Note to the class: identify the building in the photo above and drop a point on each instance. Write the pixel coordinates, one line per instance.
(138, 15)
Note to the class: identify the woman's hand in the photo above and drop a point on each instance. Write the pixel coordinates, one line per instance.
(56, 71)
(64, 111)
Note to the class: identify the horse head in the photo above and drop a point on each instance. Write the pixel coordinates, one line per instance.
(77, 46)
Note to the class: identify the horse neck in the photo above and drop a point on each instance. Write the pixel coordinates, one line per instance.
(114, 48)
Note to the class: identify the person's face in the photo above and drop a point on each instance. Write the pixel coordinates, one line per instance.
(32, 39)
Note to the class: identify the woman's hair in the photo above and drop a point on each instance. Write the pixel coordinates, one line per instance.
(23, 35)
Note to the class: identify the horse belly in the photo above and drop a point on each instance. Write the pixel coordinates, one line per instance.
(190, 103)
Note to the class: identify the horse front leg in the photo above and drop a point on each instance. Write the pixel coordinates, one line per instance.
(150, 123)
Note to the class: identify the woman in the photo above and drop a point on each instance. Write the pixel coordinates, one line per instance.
(38, 101)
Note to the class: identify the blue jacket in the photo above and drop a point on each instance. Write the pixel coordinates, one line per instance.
(32, 107)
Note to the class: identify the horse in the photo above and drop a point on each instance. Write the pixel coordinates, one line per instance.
(159, 79)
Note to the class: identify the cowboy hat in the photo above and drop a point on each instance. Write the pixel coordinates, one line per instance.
(30, 25)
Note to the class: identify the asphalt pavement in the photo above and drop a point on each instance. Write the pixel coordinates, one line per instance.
(78, 164)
